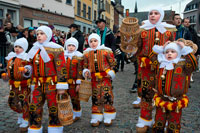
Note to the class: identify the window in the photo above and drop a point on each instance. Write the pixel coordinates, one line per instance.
(1, 13)
(194, 19)
(79, 8)
(107, 7)
(102, 16)
(95, 15)
(69, 2)
(27, 23)
(84, 10)
(1, 17)
(89, 30)
(12, 13)
(89, 12)
(84, 29)
(59, 0)
(95, 1)
(190, 19)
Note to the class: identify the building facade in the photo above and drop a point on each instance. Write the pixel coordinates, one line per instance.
(192, 12)
(59, 13)
(83, 15)
(13, 8)
(118, 14)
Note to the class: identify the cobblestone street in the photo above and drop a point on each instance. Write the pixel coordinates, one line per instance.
(126, 116)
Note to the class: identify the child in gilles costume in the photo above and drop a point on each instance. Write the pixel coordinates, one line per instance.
(19, 81)
(49, 78)
(98, 64)
(153, 32)
(175, 63)
(74, 63)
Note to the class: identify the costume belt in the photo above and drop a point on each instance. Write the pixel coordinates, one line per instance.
(99, 75)
(19, 84)
(180, 103)
(48, 80)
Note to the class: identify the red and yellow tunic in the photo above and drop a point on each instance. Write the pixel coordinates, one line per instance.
(74, 69)
(16, 78)
(173, 85)
(52, 71)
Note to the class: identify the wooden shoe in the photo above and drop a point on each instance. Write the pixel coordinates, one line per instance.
(108, 124)
(95, 124)
(23, 129)
(76, 119)
(136, 106)
(142, 129)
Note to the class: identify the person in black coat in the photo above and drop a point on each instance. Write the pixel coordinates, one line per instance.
(74, 32)
(107, 36)
(3, 46)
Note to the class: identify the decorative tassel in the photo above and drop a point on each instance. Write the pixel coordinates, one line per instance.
(52, 82)
(20, 88)
(10, 67)
(154, 103)
(177, 109)
(39, 83)
(10, 87)
(163, 77)
(142, 64)
(163, 110)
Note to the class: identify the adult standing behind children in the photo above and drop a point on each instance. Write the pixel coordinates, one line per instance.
(106, 35)
(76, 33)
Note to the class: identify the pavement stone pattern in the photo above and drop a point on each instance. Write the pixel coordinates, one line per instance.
(126, 119)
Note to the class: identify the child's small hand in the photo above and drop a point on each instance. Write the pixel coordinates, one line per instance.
(77, 88)
(180, 43)
(4, 76)
(1, 64)
(107, 76)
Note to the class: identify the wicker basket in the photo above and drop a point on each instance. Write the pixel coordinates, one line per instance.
(189, 43)
(65, 113)
(85, 90)
(130, 33)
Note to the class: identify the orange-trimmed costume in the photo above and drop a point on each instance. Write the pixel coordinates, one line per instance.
(74, 63)
(99, 63)
(19, 82)
(49, 75)
(172, 86)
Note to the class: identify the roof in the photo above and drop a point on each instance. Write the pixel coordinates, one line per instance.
(141, 16)
(191, 3)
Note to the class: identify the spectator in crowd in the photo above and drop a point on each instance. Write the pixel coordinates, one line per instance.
(53, 32)
(119, 53)
(193, 33)
(3, 47)
(86, 44)
(25, 33)
(8, 19)
(107, 36)
(76, 33)
(194, 37)
(181, 32)
(8, 26)
(11, 37)
(31, 37)
(20, 31)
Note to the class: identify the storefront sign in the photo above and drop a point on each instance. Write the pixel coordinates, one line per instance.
(45, 16)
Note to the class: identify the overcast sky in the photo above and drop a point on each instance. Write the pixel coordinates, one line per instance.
(146, 5)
